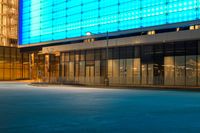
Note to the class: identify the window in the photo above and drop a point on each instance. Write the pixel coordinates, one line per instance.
(179, 70)
(191, 70)
(57, 20)
(169, 70)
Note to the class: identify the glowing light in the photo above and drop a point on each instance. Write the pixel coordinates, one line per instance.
(88, 33)
(49, 20)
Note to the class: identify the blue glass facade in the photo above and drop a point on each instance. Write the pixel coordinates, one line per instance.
(50, 20)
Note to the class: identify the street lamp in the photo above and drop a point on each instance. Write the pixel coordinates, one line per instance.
(107, 53)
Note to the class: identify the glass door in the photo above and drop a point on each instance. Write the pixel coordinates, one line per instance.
(90, 74)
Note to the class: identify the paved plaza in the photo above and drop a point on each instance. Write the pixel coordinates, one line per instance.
(67, 109)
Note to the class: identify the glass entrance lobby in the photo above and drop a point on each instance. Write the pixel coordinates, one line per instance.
(166, 64)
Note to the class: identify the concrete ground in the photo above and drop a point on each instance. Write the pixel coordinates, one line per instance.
(66, 109)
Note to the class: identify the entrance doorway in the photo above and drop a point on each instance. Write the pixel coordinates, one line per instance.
(89, 71)
(90, 74)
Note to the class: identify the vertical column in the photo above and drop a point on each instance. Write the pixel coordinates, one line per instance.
(47, 68)
(31, 62)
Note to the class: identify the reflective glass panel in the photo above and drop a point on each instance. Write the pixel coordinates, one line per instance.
(50, 20)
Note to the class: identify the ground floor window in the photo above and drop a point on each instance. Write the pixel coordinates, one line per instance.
(13, 64)
(169, 70)
(167, 64)
(160, 64)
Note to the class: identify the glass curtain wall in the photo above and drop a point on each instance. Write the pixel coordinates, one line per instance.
(45, 67)
(169, 70)
(147, 59)
(8, 22)
(191, 63)
(13, 64)
(167, 64)
(50, 20)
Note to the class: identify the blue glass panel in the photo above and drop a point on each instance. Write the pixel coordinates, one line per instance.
(50, 20)
(59, 35)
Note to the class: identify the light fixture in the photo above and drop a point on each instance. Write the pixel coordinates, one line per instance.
(192, 27)
(88, 33)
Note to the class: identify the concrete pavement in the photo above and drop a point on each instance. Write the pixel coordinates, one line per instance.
(68, 109)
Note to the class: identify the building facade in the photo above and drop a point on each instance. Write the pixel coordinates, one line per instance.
(13, 64)
(115, 42)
